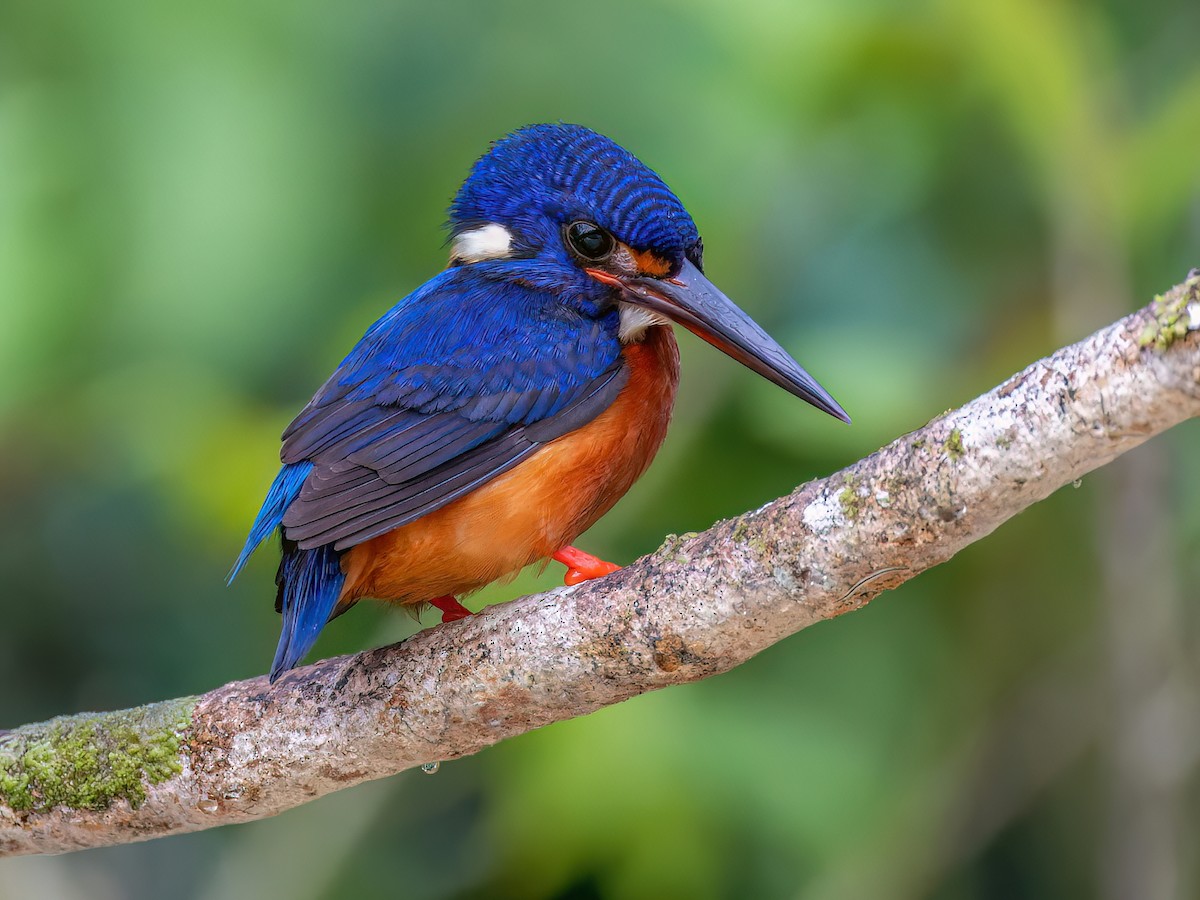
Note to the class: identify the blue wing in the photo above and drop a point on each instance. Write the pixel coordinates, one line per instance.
(450, 389)
(455, 385)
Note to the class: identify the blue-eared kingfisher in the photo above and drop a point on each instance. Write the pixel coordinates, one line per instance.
(494, 414)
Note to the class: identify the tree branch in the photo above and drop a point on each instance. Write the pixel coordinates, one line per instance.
(700, 605)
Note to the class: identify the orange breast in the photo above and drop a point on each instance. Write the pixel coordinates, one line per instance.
(533, 510)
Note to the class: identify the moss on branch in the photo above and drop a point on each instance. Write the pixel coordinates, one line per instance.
(91, 760)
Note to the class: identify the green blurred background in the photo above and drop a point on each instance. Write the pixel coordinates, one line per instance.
(203, 205)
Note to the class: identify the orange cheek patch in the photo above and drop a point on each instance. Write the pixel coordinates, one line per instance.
(649, 263)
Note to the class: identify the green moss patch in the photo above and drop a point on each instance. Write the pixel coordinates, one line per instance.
(91, 760)
(954, 444)
(848, 498)
(671, 548)
(1172, 317)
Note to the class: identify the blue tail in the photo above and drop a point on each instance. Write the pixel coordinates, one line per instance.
(310, 582)
(282, 492)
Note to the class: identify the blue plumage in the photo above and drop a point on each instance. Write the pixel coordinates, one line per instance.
(284, 489)
(467, 337)
(310, 582)
(544, 175)
(413, 414)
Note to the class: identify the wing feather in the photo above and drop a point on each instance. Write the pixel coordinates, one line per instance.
(377, 500)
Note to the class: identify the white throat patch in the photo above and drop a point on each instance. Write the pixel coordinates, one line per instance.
(634, 322)
(489, 241)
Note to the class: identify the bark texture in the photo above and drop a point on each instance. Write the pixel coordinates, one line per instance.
(700, 605)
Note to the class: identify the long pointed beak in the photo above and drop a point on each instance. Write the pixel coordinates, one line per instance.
(699, 306)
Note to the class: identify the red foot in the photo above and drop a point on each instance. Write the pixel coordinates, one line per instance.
(582, 566)
(451, 609)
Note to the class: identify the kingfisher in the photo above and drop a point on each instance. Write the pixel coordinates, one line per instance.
(494, 414)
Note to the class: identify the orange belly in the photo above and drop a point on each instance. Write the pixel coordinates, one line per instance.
(533, 510)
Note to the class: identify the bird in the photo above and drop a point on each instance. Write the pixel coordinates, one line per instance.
(494, 414)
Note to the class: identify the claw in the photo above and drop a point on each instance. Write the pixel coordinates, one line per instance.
(582, 566)
(451, 609)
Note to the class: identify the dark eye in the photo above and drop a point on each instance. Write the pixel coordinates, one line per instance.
(589, 241)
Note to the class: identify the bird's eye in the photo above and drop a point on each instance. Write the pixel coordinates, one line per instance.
(589, 241)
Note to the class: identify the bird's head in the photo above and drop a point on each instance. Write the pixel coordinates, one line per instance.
(566, 210)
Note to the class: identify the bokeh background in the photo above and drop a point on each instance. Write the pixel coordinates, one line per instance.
(203, 205)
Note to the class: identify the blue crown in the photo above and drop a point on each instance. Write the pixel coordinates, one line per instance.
(567, 172)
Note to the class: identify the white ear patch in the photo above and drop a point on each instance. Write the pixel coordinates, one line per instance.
(489, 241)
(634, 322)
